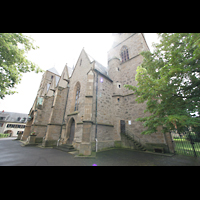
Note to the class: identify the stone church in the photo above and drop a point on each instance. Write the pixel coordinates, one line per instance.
(89, 108)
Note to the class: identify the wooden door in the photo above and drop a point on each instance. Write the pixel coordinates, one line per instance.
(72, 130)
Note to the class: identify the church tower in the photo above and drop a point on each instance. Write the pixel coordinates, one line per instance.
(123, 59)
(125, 50)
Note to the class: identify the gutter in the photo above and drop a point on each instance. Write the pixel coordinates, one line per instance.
(96, 141)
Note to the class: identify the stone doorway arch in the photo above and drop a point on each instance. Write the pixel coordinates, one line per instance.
(71, 131)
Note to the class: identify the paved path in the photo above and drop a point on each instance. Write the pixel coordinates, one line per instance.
(12, 154)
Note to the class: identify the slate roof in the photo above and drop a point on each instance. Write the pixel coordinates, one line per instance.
(53, 70)
(13, 117)
(98, 66)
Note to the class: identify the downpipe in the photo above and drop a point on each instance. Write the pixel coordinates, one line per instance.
(58, 142)
(96, 144)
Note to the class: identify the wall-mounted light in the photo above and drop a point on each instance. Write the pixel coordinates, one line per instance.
(101, 80)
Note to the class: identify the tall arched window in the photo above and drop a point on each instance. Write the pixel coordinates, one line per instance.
(77, 97)
(124, 54)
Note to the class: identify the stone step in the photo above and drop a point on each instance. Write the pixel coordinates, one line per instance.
(136, 143)
(67, 145)
(26, 145)
(66, 148)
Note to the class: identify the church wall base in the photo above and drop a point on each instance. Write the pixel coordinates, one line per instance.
(38, 139)
(85, 149)
(49, 143)
(77, 145)
(102, 145)
(153, 146)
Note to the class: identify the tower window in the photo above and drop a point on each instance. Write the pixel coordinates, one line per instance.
(118, 99)
(80, 62)
(51, 77)
(119, 85)
(124, 54)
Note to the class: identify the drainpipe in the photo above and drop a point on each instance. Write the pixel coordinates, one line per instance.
(96, 141)
(63, 115)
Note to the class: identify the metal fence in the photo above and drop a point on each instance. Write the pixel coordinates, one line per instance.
(187, 143)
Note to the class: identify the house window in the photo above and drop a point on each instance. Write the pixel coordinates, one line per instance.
(77, 99)
(19, 118)
(24, 119)
(124, 54)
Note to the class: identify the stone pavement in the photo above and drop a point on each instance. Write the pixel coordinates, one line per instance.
(13, 154)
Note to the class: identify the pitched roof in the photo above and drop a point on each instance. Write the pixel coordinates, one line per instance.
(12, 116)
(101, 68)
(53, 70)
(98, 66)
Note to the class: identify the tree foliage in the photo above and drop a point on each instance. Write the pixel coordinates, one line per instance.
(169, 83)
(13, 61)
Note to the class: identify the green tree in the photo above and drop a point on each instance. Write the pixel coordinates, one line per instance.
(169, 83)
(13, 61)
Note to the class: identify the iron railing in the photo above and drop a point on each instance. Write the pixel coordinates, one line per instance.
(187, 143)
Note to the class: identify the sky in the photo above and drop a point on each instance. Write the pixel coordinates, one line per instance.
(55, 50)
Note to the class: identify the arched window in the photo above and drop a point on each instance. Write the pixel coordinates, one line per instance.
(124, 54)
(77, 97)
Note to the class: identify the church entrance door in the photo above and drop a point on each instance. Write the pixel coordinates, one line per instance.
(122, 126)
(72, 130)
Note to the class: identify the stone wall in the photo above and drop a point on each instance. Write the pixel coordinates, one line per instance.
(123, 100)
(55, 121)
(27, 130)
(42, 118)
(79, 74)
(104, 101)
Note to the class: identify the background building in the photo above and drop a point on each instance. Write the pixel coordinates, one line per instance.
(12, 123)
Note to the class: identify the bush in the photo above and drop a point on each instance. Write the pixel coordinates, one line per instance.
(176, 137)
(2, 135)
